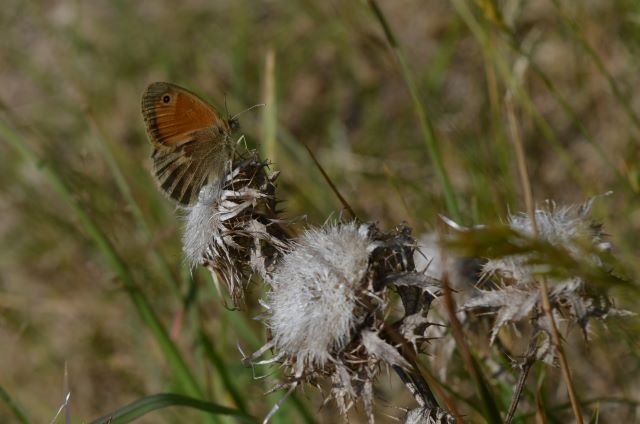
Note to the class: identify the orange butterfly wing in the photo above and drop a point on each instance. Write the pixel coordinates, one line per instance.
(191, 140)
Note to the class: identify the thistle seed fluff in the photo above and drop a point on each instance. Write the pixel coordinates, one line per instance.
(315, 290)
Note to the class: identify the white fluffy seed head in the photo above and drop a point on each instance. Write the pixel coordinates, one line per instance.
(561, 226)
(564, 226)
(201, 224)
(315, 290)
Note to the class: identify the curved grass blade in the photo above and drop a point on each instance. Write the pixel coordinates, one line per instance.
(134, 410)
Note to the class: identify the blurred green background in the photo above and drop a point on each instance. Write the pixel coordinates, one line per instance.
(72, 74)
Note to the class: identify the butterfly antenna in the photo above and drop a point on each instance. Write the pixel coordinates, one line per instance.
(247, 110)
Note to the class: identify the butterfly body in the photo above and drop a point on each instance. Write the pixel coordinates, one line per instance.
(191, 140)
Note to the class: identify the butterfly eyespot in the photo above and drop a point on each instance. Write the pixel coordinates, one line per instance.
(166, 98)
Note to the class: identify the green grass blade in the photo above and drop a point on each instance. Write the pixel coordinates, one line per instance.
(597, 60)
(489, 402)
(269, 127)
(106, 148)
(104, 246)
(488, 399)
(218, 363)
(426, 126)
(523, 98)
(555, 93)
(143, 406)
(13, 406)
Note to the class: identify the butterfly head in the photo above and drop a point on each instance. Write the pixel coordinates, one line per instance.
(234, 124)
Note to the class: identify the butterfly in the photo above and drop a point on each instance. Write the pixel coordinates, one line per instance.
(191, 140)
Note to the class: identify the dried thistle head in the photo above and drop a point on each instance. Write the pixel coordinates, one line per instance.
(234, 229)
(511, 291)
(328, 305)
